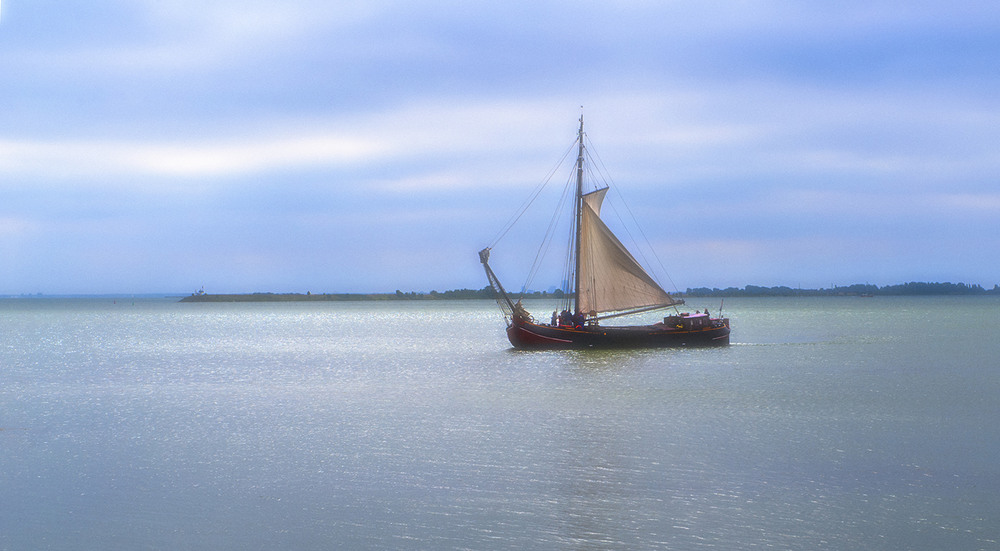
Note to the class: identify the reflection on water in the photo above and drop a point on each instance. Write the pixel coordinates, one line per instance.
(830, 423)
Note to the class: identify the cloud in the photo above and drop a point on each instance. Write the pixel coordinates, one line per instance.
(412, 132)
(177, 36)
(251, 127)
(99, 159)
(12, 226)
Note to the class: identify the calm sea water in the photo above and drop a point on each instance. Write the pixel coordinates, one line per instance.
(830, 423)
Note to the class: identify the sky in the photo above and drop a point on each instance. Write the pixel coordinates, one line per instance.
(375, 145)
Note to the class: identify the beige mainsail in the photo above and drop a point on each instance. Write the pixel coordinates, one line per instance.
(611, 280)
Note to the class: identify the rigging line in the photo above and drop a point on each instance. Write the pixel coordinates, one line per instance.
(637, 225)
(531, 199)
(568, 266)
(645, 238)
(605, 176)
(547, 239)
(595, 166)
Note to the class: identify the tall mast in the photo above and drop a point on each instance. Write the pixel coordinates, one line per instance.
(579, 218)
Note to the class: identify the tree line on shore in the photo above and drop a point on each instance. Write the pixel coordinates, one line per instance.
(904, 289)
(456, 294)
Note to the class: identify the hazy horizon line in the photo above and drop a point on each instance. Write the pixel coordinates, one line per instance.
(178, 294)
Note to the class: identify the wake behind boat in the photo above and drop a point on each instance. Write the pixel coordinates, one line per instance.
(608, 282)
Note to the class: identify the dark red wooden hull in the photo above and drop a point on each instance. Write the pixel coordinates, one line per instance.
(526, 335)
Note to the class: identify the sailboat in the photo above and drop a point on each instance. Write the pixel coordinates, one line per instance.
(608, 282)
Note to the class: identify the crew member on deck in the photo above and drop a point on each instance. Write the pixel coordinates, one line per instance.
(565, 318)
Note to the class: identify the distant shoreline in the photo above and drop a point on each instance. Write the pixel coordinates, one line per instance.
(859, 290)
(905, 289)
(458, 294)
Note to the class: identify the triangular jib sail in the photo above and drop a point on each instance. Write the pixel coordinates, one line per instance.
(611, 280)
